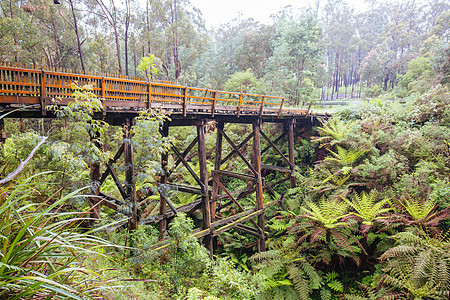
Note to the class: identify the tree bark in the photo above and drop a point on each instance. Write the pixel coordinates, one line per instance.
(75, 27)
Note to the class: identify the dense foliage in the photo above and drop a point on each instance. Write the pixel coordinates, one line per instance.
(369, 218)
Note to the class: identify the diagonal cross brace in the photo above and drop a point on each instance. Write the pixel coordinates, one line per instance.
(188, 167)
(238, 152)
(235, 201)
(276, 149)
(238, 147)
(185, 153)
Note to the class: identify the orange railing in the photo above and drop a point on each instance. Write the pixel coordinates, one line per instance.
(31, 86)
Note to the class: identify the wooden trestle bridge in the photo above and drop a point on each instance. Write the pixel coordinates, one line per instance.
(123, 98)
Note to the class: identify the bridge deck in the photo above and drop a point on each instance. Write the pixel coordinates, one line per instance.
(21, 87)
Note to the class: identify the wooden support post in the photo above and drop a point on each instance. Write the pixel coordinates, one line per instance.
(217, 163)
(2, 131)
(206, 210)
(291, 151)
(95, 174)
(129, 175)
(259, 183)
(163, 180)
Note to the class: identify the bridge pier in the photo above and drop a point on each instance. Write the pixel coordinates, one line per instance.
(2, 131)
(130, 187)
(206, 208)
(259, 183)
(163, 180)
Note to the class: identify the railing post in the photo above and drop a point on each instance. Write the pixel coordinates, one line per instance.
(185, 101)
(149, 96)
(102, 82)
(281, 107)
(214, 104)
(239, 105)
(262, 106)
(43, 93)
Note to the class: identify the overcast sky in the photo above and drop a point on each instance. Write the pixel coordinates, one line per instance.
(219, 11)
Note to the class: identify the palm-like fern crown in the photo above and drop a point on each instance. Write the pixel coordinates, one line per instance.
(367, 207)
(335, 129)
(418, 208)
(328, 212)
(345, 158)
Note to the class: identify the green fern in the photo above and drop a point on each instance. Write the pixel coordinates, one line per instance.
(345, 157)
(334, 131)
(328, 212)
(419, 264)
(367, 207)
(286, 274)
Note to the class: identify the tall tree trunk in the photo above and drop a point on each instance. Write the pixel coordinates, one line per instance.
(16, 42)
(148, 31)
(175, 45)
(75, 27)
(116, 35)
(127, 26)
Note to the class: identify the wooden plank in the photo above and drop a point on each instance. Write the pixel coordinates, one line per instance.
(217, 164)
(275, 168)
(228, 193)
(281, 107)
(276, 141)
(184, 188)
(291, 151)
(234, 175)
(239, 105)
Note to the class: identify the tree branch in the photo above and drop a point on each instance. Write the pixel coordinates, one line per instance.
(23, 164)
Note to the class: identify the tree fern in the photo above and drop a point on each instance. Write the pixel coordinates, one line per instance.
(334, 130)
(286, 273)
(367, 207)
(419, 264)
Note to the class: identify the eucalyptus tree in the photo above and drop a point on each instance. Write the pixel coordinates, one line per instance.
(292, 68)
